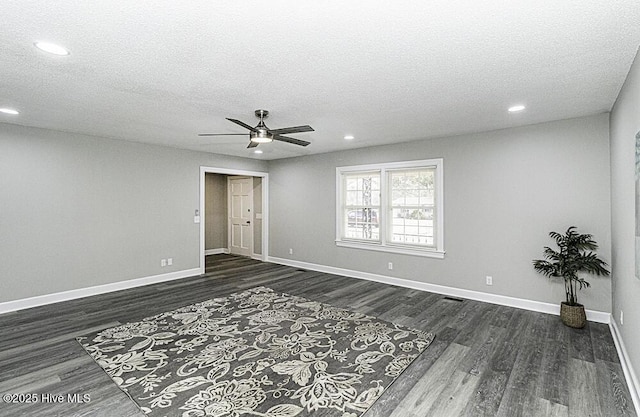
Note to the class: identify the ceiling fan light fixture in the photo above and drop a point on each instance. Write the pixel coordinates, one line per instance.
(261, 136)
(261, 140)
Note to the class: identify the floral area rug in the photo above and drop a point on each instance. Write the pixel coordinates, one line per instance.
(256, 353)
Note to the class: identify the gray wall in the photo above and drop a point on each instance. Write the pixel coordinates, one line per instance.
(504, 191)
(625, 122)
(215, 207)
(78, 211)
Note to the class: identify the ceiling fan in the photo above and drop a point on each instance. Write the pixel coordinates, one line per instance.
(262, 134)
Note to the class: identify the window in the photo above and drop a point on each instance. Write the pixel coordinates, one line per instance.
(361, 210)
(411, 206)
(395, 207)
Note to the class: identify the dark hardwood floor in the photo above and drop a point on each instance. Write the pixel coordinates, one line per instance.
(486, 360)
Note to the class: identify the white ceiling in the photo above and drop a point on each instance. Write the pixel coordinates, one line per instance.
(386, 72)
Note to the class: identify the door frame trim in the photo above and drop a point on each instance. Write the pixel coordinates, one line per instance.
(265, 207)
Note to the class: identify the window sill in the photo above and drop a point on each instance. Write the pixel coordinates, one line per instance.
(427, 253)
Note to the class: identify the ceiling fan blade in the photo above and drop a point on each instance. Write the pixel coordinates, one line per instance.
(222, 134)
(252, 144)
(292, 129)
(211, 144)
(291, 140)
(243, 124)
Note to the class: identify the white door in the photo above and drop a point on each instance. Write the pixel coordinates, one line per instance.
(240, 215)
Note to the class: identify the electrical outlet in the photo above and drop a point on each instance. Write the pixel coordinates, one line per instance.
(390, 266)
(489, 280)
(621, 317)
(163, 262)
(169, 261)
(290, 251)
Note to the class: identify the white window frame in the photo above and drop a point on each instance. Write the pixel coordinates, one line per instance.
(383, 245)
(379, 206)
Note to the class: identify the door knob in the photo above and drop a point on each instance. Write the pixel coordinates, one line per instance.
(248, 222)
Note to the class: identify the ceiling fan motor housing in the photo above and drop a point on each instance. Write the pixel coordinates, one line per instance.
(261, 135)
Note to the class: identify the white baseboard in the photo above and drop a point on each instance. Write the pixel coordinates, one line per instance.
(40, 300)
(539, 306)
(627, 368)
(217, 251)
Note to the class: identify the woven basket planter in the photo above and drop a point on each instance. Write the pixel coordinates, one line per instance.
(573, 316)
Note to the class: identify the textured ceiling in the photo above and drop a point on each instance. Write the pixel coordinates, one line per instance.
(386, 72)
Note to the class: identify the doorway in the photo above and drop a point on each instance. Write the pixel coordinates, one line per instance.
(249, 239)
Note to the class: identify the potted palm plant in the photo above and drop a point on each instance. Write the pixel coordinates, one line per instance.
(575, 255)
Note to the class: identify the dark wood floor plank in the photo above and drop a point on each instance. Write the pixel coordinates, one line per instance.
(438, 378)
(475, 323)
(455, 396)
(581, 346)
(602, 343)
(582, 375)
(437, 316)
(502, 316)
(544, 407)
(61, 335)
(614, 398)
(486, 360)
(553, 383)
(488, 394)
(521, 390)
(395, 395)
(482, 349)
(493, 380)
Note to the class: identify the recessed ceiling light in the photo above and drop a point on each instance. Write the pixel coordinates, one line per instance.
(51, 48)
(517, 108)
(257, 151)
(9, 111)
(349, 137)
